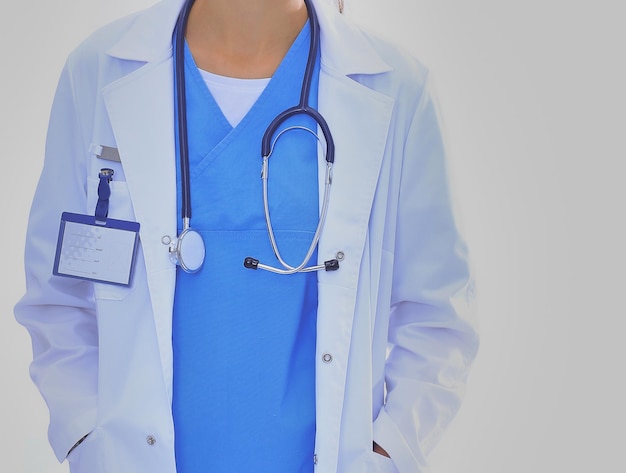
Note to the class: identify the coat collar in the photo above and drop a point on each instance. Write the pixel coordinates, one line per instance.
(345, 49)
(149, 38)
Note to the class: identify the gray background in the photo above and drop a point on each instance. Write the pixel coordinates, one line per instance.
(533, 98)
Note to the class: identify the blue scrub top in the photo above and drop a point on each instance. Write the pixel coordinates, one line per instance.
(244, 340)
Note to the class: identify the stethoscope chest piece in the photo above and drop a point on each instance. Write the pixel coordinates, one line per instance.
(188, 251)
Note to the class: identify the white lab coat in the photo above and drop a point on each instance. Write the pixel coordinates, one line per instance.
(102, 353)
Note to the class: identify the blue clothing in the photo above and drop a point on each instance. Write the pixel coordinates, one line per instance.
(244, 340)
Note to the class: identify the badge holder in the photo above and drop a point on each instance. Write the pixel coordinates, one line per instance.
(97, 248)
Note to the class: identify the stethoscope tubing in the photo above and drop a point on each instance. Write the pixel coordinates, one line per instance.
(303, 107)
(181, 110)
(176, 250)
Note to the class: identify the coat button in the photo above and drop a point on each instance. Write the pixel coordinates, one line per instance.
(327, 357)
(150, 440)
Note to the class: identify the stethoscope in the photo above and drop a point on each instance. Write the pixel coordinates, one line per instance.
(188, 250)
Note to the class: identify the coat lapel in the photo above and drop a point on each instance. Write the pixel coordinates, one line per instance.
(359, 119)
(359, 150)
(145, 140)
(140, 108)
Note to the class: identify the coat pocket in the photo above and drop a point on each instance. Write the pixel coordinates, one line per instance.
(377, 463)
(370, 462)
(88, 457)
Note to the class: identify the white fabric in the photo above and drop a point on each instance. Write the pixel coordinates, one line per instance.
(234, 96)
(102, 353)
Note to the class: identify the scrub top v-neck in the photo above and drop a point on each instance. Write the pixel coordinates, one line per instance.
(244, 340)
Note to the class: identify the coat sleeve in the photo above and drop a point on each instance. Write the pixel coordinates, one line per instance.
(432, 335)
(59, 312)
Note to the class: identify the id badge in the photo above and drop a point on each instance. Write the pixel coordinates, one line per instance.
(96, 250)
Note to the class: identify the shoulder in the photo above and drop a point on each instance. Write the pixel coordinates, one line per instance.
(123, 46)
(351, 48)
(140, 37)
(371, 59)
(407, 79)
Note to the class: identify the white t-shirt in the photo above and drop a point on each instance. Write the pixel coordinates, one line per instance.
(234, 96)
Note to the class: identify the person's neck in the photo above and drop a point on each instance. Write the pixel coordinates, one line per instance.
(243, 38)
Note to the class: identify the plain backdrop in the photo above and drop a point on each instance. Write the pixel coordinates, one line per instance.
(533, 98)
